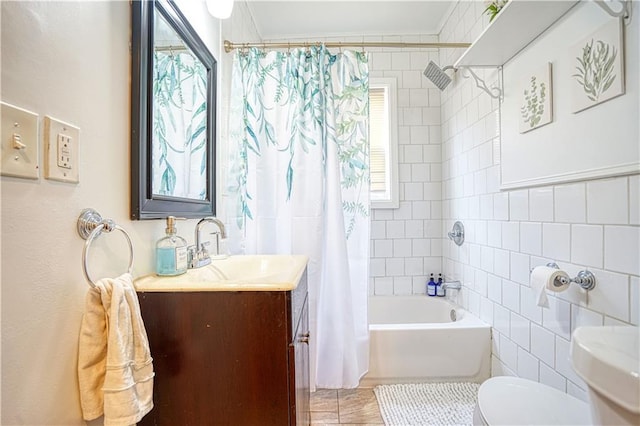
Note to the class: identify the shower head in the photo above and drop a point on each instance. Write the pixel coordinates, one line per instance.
(437, 75)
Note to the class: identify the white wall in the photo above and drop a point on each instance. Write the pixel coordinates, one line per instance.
(591, 224)
(70, 60)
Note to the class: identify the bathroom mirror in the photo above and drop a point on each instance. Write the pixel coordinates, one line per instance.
(173, 77)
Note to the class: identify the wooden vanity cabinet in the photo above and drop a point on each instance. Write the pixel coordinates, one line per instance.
(228, 358)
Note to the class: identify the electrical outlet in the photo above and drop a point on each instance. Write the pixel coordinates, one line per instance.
(64, 151)
(19, 143)
(61, 141)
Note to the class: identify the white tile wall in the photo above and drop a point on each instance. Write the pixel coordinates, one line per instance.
(587, 224)
(622, 245)
(556, 241)
(570, 203)
(634, 200)
(527, 365)
(509, 353)
(520, 332)
(550, 377)
(502, 319)
(634, 297)
(607, 201)
(587, 245)
(511, 236)
(528, 307)
(409, 239)
(531, 238)
(557, 317)
(541, 204)
(519, 205)
(581, 317)
(511, 295)
(520, 268)
(543, 344)
(563, 363)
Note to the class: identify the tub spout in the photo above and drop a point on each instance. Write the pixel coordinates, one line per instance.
(453, 285)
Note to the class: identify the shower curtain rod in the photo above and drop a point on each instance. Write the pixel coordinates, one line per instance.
(171, 48)
(229, 46)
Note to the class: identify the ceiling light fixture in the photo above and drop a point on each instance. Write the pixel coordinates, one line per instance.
(220, 9)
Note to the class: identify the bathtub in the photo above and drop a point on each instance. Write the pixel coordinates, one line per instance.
(425, 339)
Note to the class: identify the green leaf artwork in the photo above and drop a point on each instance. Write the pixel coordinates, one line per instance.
(595, 68)
(534, 101)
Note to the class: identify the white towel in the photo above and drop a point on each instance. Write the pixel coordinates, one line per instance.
(115, 369)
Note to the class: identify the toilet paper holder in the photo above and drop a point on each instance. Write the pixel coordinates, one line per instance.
(584, 279)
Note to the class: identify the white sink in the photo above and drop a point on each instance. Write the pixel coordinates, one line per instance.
(234, 273)
(608, 360)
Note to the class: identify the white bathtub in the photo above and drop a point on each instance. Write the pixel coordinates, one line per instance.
(413, 339)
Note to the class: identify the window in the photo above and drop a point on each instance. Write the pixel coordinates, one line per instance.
(383, 148)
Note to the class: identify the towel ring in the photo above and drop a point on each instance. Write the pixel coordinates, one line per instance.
(90, 225)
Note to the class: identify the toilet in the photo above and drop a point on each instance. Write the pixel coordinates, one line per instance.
(510, 400)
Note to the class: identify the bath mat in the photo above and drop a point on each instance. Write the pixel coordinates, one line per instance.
(427, 403)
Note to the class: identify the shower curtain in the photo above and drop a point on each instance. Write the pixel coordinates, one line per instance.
(298, 183)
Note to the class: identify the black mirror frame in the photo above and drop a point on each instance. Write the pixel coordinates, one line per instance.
(144, 205)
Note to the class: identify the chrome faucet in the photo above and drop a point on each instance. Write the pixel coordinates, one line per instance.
(198, 254)
(453, 285)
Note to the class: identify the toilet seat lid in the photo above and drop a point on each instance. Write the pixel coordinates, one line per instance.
(512, 400)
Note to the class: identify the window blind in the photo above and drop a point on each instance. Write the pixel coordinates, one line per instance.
(378, 138)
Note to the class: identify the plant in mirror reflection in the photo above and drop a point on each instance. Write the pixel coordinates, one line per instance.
(179, 124)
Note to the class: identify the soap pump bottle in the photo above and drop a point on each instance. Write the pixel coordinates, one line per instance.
(431, 287)
(171, 251)
(440, 291)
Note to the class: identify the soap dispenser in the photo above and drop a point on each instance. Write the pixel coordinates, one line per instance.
(431, 287)
(171, 251)
(440, 292)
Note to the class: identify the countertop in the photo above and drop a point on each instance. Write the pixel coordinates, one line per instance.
(235, 273)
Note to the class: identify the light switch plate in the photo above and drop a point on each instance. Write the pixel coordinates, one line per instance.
(61, 142)
(19, 144)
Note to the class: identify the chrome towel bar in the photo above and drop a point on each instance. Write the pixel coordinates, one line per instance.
(90, 226)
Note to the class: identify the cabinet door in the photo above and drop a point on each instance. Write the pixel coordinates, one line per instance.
(302, 369)
(220, 358)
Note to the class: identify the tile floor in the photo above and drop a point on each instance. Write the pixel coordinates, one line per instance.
(345, 407)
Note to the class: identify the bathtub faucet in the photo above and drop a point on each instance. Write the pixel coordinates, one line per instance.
(453, 285)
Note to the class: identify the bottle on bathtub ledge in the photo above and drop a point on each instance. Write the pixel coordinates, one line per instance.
(431, 287)
(439, 288)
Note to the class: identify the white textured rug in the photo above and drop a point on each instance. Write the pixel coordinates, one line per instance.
(427, 403)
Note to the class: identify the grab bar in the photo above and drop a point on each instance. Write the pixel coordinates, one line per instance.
(90, 225)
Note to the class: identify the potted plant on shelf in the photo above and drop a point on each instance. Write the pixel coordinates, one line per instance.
(494, 7)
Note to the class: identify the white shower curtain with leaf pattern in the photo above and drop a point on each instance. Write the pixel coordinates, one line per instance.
(299, 184)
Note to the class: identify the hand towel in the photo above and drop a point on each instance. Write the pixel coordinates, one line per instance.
(115, 368)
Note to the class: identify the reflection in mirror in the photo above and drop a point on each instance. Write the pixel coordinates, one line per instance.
(173, 77)
(179, 117)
